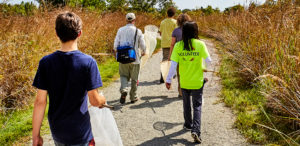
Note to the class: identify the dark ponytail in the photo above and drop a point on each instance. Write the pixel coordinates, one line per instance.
(189, 31)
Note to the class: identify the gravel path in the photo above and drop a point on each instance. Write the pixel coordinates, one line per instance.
(157, 118)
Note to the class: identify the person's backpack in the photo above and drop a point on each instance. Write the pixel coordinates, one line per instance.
(126, 54)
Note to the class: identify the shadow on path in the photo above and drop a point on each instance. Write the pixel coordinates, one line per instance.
(165, 100)
(146, 83)
(168, 140)
(161, 126)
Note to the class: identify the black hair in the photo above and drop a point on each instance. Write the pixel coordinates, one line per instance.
(189, 31)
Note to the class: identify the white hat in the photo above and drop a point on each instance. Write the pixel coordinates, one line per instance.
(130, 16)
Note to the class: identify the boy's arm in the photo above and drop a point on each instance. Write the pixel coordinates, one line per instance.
(40, 104)
(93, 83)
(96, 99)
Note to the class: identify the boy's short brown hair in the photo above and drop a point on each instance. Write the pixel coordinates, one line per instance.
(171, 12)
(68, 25)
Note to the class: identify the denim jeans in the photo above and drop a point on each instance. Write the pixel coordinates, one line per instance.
(194, 122)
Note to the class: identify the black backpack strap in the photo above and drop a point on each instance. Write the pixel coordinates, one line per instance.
(135, 37)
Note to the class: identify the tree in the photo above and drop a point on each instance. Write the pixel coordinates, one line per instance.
(208, 10)
(94, 4)
(185, 10)
(115, 5)
(234, 9)
(217, 10)
(270, 2)
(164, 5)
(143, 5)
(57, 3)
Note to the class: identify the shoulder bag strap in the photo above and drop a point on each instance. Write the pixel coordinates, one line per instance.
(135, 37)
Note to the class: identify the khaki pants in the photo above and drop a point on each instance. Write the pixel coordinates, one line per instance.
(166, 52)
(127, 72)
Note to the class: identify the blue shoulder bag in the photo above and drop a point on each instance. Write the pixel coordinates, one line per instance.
(126, 54)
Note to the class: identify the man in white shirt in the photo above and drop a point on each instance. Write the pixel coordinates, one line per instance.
(125, 37)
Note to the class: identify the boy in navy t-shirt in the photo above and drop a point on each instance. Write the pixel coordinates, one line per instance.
(69, 77)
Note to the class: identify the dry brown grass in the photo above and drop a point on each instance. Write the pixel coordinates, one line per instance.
(24, 40)
(265, 41)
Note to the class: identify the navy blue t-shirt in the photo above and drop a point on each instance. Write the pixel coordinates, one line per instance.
(67, 76)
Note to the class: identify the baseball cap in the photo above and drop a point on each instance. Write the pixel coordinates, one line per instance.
(130, 16)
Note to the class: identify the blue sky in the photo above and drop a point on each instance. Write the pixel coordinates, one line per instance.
(191, 4)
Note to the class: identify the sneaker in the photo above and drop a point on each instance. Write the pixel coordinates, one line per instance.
(135, 100)
(123, 97)
(196, 137)
(188, 128)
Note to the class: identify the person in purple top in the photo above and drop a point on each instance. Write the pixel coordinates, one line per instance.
(69, 77)
(176, 37)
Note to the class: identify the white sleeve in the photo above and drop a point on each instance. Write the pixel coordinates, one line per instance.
(208, 62)
(172, 71)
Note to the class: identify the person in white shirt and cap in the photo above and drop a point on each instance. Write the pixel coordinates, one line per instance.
(129, 35)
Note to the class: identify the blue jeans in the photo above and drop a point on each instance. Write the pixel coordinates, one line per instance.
(196, 94)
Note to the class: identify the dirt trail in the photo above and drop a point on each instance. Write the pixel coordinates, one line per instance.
(157, 118)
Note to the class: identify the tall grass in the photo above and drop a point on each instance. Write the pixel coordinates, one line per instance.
(265, 42)
(25, 39)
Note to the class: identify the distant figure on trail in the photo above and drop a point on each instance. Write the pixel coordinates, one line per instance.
(176, 37)
(129, 35)
(189, 54)
(166, 28)
(69, 77)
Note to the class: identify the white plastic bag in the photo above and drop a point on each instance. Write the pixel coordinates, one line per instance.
(104, 127)
(150, 40)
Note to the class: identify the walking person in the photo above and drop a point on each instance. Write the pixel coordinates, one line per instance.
(166, 28)
(189, 55)
(176, 37)
(129, 35)
(68, 76)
